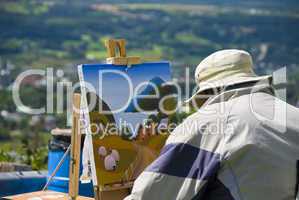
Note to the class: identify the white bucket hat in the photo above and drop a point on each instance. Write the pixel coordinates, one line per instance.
(225, 68)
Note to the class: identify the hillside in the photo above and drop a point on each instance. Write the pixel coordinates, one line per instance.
(62, 34)
(51, 33)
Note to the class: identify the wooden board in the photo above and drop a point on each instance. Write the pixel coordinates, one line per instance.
(75, 149)
(44, 195)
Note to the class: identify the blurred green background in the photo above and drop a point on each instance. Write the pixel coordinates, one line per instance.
(62, 34)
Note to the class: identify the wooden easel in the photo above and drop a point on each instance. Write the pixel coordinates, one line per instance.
(101, 193)
(111, 192)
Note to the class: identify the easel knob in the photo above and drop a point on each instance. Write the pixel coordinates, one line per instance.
(110, 45)
(122, 47)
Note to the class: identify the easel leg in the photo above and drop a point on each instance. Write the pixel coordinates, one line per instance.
(75, 149)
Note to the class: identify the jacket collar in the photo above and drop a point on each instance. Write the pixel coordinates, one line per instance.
(239, 90)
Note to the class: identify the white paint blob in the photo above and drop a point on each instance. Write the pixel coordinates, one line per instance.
(110, 163)
(115, 155)
(102, 151)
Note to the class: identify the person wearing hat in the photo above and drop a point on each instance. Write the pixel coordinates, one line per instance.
(242, 143)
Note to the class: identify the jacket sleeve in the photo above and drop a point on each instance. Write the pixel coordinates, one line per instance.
(180, 172)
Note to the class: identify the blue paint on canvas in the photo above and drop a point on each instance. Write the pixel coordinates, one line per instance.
(112, 85)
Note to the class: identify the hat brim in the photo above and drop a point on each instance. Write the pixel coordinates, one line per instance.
(230, 81)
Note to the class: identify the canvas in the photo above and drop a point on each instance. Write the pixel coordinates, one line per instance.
(126, 122)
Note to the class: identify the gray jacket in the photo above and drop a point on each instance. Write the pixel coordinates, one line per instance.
(243, 145)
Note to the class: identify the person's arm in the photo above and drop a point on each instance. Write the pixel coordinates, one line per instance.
(180, 172)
